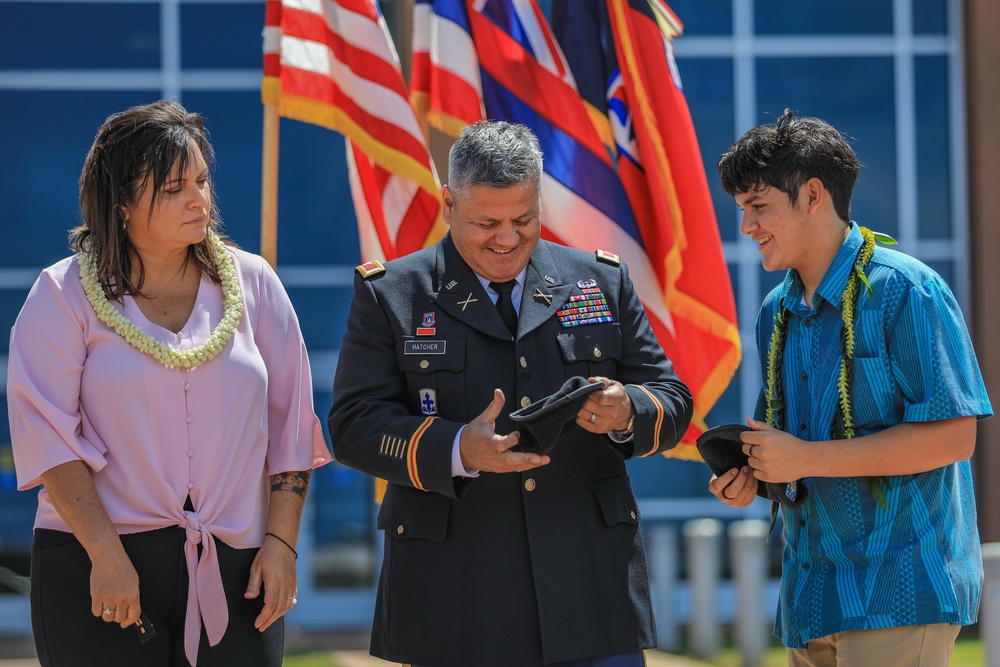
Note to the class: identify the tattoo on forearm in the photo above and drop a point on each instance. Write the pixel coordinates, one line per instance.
(294, 482)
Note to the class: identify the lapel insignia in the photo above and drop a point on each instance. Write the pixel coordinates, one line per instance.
(540, 296)
(426, 327)
(549, 279)
(591, 307)
(428, 402)
(467, 301)
(451, 284)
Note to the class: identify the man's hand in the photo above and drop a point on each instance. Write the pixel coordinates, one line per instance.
(482, 449)
(775, 456)
(607, 410)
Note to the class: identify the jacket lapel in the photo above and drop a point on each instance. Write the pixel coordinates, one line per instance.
(462, 296)
(544, 291)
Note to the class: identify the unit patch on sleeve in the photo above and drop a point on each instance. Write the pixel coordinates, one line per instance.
(428, 402)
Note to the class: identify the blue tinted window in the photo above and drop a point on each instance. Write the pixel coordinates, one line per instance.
(768, 281)
(832, 17)
(315, 205)
(49, 134)
(56, 35)
(234, 121)
(930, 17)
(200, 43)
(944, 269)
(322, 311)
(933, 147)
(855, 95)
(727, 409)
(316, 222)
(708, 88)
(704, 17)
(660, 477)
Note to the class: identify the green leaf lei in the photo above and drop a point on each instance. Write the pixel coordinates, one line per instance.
(843, 428)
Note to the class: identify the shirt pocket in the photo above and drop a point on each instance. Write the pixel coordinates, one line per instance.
(615, 498)
(409, 514)
(593, 349)
(874, 395)
(436, 365)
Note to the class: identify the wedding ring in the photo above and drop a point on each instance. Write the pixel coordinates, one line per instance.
(108, 612)
(593, 417)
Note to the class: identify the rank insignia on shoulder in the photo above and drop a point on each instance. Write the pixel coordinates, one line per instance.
(608, 257)
(370, 269)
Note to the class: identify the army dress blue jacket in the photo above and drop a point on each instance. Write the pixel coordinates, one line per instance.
(507, 569)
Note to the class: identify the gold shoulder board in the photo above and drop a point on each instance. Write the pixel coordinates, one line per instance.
(370, 269)
(608, 257)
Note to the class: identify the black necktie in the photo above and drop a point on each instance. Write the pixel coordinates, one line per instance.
(505, 305)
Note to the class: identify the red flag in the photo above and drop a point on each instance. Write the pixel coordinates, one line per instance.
(681, 229)
(332, 63)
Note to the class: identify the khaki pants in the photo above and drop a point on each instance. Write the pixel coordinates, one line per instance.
(908, 646)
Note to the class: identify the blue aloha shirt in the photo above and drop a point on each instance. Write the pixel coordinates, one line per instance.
(848, 564)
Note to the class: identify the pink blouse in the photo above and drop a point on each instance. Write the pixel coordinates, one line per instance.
(153, 436)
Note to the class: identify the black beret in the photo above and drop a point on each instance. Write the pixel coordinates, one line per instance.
(541, 423)
(722, 450)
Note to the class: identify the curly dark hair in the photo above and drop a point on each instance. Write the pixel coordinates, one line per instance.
(787, 154)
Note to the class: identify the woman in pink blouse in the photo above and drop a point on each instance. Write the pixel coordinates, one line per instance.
(159, 390)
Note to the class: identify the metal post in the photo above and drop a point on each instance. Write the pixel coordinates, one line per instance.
(662, 554)
(748, 557)
(703, 538)
(989, 621)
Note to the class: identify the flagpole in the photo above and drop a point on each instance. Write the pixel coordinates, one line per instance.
(269, 187)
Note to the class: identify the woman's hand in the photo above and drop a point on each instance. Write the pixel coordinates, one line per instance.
(114, 588)
(274, 569)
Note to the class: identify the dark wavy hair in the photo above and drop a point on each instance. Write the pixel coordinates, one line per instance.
(134, 150)
(787, 154)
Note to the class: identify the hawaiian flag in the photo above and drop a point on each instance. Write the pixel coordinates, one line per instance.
(333, 63)
(623, 168)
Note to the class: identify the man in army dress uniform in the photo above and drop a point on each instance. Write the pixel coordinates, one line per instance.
(495, 555)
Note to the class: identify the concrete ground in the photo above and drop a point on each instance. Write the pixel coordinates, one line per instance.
(348, 648)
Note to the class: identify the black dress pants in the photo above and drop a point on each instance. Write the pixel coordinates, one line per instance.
(67, 634)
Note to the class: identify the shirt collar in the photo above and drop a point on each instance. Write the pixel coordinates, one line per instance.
(831, 287)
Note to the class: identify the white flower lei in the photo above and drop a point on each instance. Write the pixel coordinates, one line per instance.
(140, 340)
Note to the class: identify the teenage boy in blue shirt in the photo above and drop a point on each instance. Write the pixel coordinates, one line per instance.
(869, 407)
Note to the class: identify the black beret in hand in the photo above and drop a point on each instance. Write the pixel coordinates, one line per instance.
(541, 423)
(722, 450)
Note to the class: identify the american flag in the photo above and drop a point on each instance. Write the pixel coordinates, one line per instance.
(333, 63)
(623, 168)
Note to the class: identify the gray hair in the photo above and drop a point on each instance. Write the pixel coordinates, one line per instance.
(497, 154)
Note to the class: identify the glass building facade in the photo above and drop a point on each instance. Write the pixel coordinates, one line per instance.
(888, 73)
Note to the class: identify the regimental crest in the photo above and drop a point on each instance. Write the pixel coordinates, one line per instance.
(428, 402)
(426, 327)
(590, 307)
